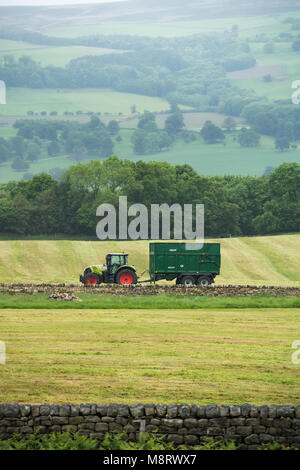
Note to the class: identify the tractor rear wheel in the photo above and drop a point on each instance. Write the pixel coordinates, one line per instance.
(91, 280)
(126, 277)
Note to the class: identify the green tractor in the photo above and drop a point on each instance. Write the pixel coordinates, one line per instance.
(115, 271)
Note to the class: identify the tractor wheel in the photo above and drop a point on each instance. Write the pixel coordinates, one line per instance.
(188, 281)
(91, 279)
(126, 277)
(204, 281)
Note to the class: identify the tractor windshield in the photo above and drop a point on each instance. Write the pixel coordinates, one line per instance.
(120, 260)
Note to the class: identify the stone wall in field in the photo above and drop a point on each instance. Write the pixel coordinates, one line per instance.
(247, 425)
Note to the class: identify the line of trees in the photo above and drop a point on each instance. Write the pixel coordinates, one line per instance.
(189, 70)
(235, 205)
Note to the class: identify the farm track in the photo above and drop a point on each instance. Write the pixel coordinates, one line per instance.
(140, 290)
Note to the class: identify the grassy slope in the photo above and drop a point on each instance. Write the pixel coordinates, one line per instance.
(260, 260)
(121, 356)
(21, 100)
(60, 56)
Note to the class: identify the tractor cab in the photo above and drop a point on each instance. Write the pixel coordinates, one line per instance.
(115, 260)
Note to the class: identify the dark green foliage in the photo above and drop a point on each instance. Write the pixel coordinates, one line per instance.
(211, 133)
(282, 143)
(239, 63)
(148, 138)
(115, 442)
(62, 441)
(53, 148)
(248, 138)
(174, 123)
(234, 205)
(19, 164)
(113, 127)
(296, 45)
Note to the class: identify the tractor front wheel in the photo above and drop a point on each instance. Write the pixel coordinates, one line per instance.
(92, 280)
(126, 277)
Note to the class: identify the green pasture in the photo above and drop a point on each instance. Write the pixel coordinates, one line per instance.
(157, 356)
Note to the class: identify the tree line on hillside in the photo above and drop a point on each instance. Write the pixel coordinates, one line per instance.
(234, 205)
(189, 70)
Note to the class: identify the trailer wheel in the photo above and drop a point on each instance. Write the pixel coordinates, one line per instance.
(204, 281)
(92, 280)
(126, 277)
(188, 281)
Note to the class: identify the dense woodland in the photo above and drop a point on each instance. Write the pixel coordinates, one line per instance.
(234, 205)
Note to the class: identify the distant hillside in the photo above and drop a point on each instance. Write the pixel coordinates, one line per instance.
(137, 11)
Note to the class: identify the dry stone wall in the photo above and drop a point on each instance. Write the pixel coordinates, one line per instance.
(248, 425)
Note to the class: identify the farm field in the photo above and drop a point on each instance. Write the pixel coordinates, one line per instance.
(45, 55)
(270, 260)
(207, 356)
(215, 158)
(21, 100)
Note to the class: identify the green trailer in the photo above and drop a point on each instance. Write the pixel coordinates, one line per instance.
(188, 266)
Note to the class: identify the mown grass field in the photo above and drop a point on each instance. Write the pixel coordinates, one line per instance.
(207, 356)
(270, 260)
